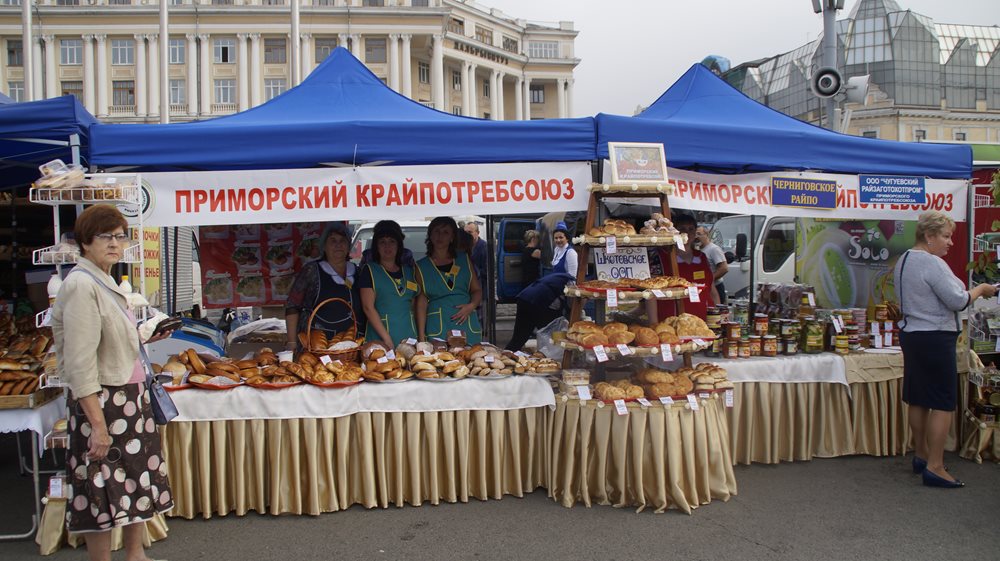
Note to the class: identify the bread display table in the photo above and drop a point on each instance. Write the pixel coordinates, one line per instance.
(308, 450)
(658, 456)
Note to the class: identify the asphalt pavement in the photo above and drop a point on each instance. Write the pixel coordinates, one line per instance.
(828, 509)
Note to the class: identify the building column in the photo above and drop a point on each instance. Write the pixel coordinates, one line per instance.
(437, 71)
(394, 61)
(243, 62)
(51, 86)
(569, 97)
(494, 95)
(191, 57)
(527, 98)
(102, 74)
(466, 106)
(89, 80)
(473, 90)
(518, 98)
(154, 75)
(205, 107)
(306, 56)
(36, 74)
(561, 97)
(501, 111)
(140, 75)
(407, 65)
(256, 70)
(356, 49)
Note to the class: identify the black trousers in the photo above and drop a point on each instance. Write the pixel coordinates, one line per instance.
(529, 318)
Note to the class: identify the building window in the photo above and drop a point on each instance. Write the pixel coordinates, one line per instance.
(123, 93)
(122, 52)
(64, 3)
(456, 25)
(420, 3)
(919, 134)
(15, 54)
(543, 49)
(274, 51)
(178, 92)
(273, 87)
(15, 90)
(374, 50)
(960, 136)
(510, 44)
(73, 88)
(537, 94)
(225, 91)
(324, 2)
(70, 52)
(120, 2)
(324, 46)
(869, 134)
(177, 52)
(456, 109)
(223, 2)
(273, 2)
(456, 80)
(424, 72)
(225, 52)
(486, 115)
(373, 3)
(486, 88)
(484, 35)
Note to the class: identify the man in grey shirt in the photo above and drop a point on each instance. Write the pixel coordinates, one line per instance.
(716, 257)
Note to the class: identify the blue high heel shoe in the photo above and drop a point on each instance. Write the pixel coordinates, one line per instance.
(931, 479)
(919, 464)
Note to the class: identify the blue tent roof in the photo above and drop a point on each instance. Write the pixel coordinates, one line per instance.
(4, 98)
(706, 124)
(22, 125)
(341, 113)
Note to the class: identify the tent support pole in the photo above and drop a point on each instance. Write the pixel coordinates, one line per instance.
(970, 193)
(173, 288)
(165, 289)
(74, 147)
(753, 263)
(489, 291)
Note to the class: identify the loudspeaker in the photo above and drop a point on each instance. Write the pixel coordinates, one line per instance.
(826, 82)
(857, 89)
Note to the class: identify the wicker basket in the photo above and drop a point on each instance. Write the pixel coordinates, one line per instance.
(349, 355)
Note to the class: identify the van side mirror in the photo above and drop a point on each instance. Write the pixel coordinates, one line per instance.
(730, 256)
(741, 246)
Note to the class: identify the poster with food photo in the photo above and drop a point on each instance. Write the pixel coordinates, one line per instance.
(254, 265)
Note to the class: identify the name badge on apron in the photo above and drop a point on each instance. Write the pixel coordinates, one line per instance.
(410, 285)
(699, 275)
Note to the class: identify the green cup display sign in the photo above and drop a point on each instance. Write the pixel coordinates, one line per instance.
(850, 262)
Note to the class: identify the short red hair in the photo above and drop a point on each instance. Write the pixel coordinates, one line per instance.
(97, 219)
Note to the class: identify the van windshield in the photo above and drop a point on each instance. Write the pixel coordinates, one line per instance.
(725, 230)
(414, 240)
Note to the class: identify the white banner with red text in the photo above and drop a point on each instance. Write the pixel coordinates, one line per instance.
(751, 194)
(365, 193)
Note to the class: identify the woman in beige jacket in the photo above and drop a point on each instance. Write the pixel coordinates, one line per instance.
(117, 476)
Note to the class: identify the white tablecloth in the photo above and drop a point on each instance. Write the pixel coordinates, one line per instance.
(801, 368)
(39, 420)
(307, 401)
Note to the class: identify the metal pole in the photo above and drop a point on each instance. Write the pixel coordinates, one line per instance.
(173, 292)
(27, 52)
(165, 274)
(753, 263)
(830, 52)
(164, 69)
(296, 65)
(489, 291)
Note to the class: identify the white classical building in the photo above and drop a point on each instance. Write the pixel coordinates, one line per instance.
(225, 56)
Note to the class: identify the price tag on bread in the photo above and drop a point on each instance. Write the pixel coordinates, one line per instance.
(693, 294)
(411, 341)
(729, 399)
(667, 401)
(693, 402)
(611, 245)
(600, 353)
(659, 293)
(666, 352)
(644, 402)
(488, 359)
(612, 297)
(679, 242)
(325, 359)
(620, 407)
(624, 349)
(888, 326)
(887, 339)
(583, 392)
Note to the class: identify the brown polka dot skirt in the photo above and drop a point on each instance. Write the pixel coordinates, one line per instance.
(130, 484)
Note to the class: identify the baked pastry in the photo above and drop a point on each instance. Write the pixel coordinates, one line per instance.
(594, 339)
(645, 337)
(620, 337)
(614, 327)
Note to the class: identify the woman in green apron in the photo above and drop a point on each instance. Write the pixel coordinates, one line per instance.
(388, 288)
(449, 290)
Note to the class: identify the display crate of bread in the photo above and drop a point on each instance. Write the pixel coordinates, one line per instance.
(654, 383)
(23, 350)
(684, 333)
(631, 189)
(631, 291)
(657, 231)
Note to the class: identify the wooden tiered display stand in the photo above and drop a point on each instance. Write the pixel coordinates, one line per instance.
(598, 193)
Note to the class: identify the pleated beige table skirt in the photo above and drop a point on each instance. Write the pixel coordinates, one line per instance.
(52, 532)
(658, 457)
(311, 466)
(773, 422)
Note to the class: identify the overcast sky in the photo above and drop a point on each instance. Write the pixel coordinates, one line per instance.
(632, 50)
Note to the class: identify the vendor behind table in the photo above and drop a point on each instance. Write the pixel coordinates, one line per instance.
(388, 288)
(716, 258)
(449, 289)
(330, 276)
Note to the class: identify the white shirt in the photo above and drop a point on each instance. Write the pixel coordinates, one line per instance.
(571, 258)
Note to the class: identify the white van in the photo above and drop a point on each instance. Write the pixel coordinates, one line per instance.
(774, 251)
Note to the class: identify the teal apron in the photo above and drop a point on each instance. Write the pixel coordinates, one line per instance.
(394, 303)
(443, 300)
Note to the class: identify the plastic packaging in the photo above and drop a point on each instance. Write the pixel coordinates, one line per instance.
(125, 284)
(55, 283)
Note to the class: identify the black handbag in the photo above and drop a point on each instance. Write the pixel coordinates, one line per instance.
(159, 400)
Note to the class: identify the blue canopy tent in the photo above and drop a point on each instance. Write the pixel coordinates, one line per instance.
(707, 125)
(4, 99)
(341, 114)
(35, 132)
